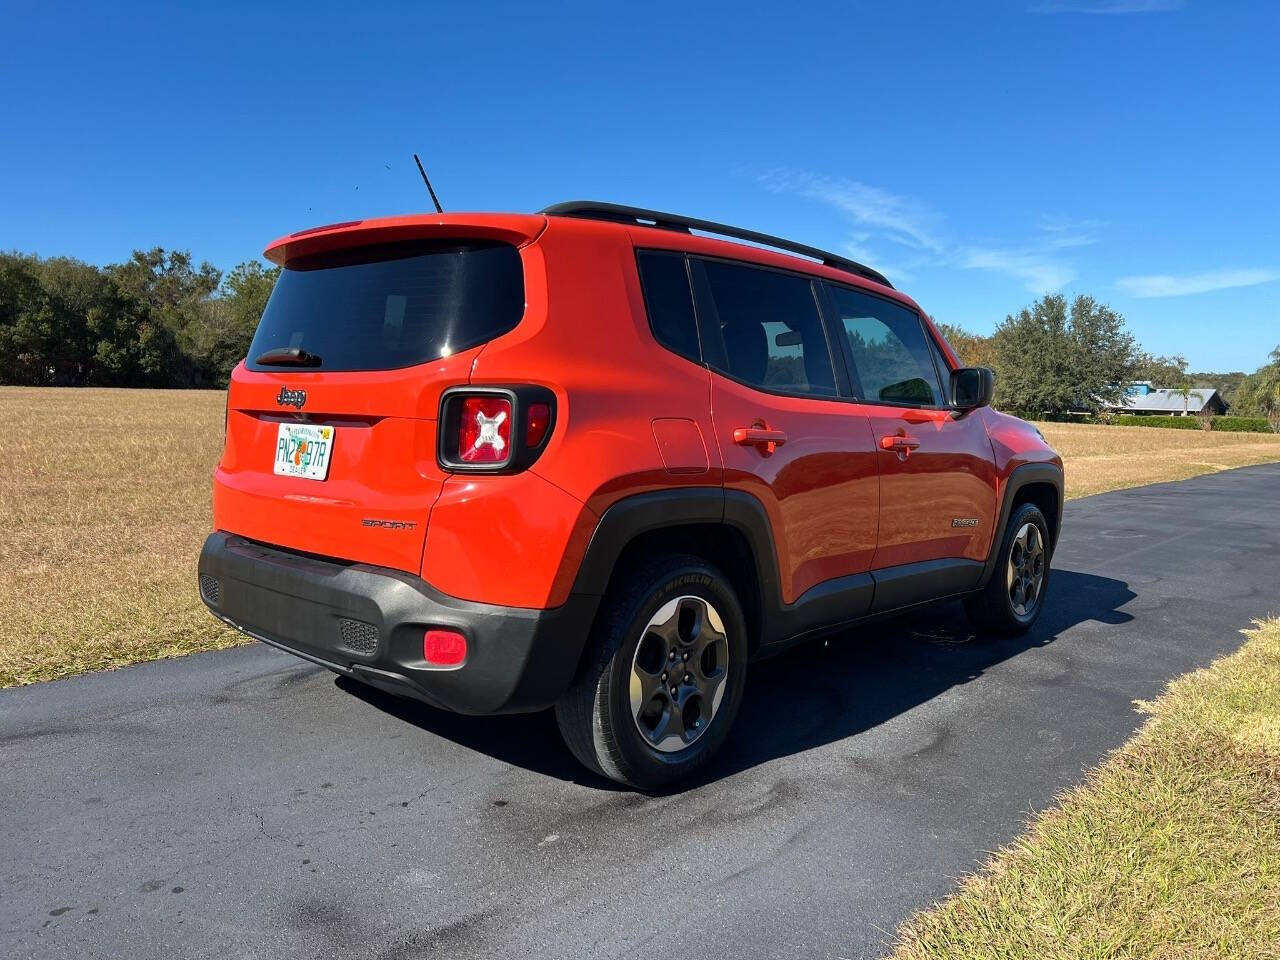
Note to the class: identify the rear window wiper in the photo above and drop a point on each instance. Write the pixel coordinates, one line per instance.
(288, 357)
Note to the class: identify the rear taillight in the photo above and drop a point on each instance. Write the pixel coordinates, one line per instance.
(484, 430)
(494, 429)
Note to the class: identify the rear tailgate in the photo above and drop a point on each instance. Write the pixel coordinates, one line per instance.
(367, 325)
(374, 503)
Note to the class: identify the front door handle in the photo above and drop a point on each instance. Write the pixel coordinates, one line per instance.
(900, 445)
(762, 438)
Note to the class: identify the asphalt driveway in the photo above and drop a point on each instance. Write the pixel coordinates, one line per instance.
(247, 804)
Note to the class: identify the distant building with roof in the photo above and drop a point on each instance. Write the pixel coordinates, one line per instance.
(1143, 398)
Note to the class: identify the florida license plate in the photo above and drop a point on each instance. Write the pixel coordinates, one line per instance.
(303, 450)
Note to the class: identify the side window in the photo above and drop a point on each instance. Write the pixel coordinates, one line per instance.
(766, 328)
(888, 350)
(669, 303)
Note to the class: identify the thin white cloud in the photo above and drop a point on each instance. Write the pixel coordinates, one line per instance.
(1038, 273)
(900, 270)
(902, 219)
(1168, 285)
(1108, 6)
(1063, 234)
(905, 221)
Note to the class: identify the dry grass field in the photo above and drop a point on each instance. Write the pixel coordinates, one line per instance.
(1100, 458)
(104, 496)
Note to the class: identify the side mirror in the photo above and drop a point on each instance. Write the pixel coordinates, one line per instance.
(972, 387)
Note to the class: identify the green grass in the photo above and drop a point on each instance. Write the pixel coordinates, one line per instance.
(1170, 849)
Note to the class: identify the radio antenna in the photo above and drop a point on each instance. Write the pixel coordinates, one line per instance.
(434, 199)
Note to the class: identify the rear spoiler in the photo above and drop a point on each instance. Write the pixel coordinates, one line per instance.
(517, 229)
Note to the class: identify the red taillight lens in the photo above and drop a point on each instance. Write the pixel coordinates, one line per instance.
(444, 648)
(497, 429)
(484, 430)
(537, 420)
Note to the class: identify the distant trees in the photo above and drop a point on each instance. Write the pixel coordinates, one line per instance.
(1227, 384)
(1259, 393)
(1170, 372)
(161, 320)
(156, 320)
(1053, 357)
(45, 307)
(973, 349)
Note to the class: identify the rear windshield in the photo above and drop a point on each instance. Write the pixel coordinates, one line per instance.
(376, 308)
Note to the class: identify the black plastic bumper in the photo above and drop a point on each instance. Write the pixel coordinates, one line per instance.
(327, 611)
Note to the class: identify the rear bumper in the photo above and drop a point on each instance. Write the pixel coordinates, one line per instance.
(367, 622)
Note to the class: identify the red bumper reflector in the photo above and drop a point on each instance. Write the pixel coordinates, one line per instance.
(444, 648)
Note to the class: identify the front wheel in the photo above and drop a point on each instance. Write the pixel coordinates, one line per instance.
(1012, 600)
(664, 675)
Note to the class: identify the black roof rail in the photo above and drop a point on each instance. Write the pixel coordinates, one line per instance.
(638, 216)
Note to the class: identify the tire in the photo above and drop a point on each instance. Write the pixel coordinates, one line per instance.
(1012, 600)
(618, 717)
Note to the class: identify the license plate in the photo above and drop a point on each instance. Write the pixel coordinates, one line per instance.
(303, 450)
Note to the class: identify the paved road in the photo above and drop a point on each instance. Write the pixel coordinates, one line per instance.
(244, 803)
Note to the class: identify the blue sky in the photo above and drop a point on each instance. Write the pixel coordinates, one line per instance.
(979, 153)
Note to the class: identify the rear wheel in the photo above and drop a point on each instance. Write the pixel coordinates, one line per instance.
(664, 675)
(1012, 600)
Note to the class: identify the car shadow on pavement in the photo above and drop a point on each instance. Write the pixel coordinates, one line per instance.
(812, 694)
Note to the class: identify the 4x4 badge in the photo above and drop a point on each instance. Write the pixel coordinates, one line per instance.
(291, 398)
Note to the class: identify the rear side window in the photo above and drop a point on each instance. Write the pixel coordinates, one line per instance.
(669, 303)
(377, 308)
(768, 330)
(887, 350)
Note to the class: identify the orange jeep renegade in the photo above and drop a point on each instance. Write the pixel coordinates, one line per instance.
(594, 460)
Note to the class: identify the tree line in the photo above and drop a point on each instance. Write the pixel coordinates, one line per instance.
(156, 320)
(1058, 356)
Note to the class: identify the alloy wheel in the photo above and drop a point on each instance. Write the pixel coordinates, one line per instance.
(678, 673)
(1026, 570)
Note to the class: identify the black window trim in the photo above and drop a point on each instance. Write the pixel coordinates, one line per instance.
(700, 295)
(939, 356)
(851, 369)
(693, 302)
(848, 386)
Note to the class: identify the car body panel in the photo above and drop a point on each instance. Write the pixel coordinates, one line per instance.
(939, 499)
(820, 489)
(586, 337)
(383, 466)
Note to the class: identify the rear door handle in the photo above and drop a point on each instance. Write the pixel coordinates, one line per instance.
(900, 445)
(764, 439)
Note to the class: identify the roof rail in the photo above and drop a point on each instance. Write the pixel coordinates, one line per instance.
(638, 216)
